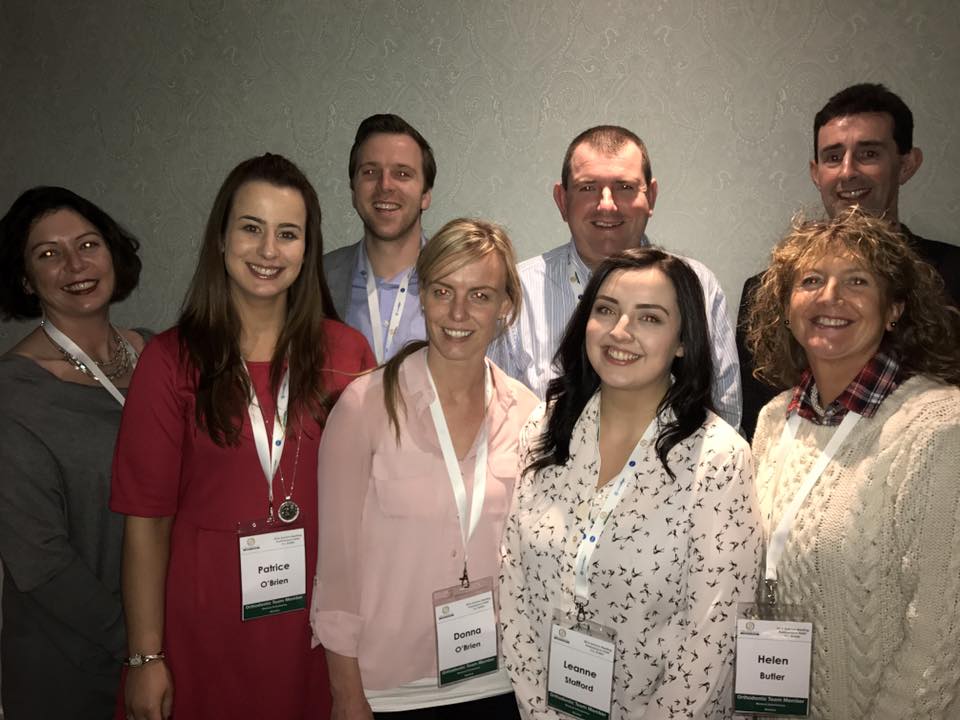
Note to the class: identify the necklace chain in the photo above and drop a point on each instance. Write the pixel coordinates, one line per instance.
(116, 366)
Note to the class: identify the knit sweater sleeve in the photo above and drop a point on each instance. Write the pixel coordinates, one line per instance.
(922, 679)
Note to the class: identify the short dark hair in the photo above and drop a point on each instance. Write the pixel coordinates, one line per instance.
(689, 396)
(32, 205)
(390, 124)
(607, 139)
(867, 98)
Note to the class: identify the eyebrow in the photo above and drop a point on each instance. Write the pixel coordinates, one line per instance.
(859, 143)
(638, 306)
(477, 287)
(264, 222)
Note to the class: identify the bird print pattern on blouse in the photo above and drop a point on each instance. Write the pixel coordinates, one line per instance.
(674, 559)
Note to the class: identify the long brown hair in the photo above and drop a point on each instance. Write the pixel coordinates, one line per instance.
(210, 328)
(456, 245)
(926, 339)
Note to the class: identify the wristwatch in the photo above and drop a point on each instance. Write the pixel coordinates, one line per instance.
(138, 659)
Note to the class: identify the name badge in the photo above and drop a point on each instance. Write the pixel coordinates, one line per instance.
(773, 666)
(466, 628)
(580, 668)
(272, 571)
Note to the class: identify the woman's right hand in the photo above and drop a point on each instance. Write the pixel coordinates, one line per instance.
(149, 692)
(357, 709)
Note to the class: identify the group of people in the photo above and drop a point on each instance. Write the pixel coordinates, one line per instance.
(493, 489)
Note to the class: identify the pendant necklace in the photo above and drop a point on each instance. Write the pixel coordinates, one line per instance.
(289, 510)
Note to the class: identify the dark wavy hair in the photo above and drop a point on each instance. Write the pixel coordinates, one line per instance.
(926, 339)
(210, 328)
(32, 205)
(689, 396)
(867, 98)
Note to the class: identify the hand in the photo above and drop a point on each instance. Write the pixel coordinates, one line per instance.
(354, 709)
(149, 692)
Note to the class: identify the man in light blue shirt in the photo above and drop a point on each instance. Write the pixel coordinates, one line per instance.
(373, 282)
(606, 196)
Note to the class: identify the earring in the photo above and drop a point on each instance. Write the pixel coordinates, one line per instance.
(893, 324)
(786, 322)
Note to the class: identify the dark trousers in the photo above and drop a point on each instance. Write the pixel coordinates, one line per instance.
(501, 707)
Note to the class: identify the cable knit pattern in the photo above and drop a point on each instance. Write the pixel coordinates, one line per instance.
(874, 555)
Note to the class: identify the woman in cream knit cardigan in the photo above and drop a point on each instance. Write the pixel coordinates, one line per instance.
(858, 325)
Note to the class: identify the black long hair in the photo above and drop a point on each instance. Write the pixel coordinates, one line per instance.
(689, 395)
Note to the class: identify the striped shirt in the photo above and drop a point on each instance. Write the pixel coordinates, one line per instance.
(525, 351)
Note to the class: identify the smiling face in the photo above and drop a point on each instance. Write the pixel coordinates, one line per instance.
(858, 164)
(838, 314)
(633, 333)
(461, 308)
(68, 265)
(388, 187)
(607, 201)
(264, 242)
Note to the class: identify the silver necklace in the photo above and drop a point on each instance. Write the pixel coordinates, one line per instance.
(289, 510)
(116, 366)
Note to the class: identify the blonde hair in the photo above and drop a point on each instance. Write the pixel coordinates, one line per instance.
(926, 338)
(456, 245)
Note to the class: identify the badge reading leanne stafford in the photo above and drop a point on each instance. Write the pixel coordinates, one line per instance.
(466, 631)
(580, 669)
(272, 573)
(773, 667)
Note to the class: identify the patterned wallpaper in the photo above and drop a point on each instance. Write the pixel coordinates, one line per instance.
(144, 105)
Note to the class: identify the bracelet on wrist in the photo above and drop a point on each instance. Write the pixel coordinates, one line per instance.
(139, 660)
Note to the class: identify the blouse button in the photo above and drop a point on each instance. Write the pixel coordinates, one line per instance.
(453, 553)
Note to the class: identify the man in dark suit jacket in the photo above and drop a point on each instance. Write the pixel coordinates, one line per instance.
(862, 153)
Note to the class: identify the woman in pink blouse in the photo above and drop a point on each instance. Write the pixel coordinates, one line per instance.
(416, 473)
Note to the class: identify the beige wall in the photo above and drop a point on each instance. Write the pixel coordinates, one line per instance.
(144, 105)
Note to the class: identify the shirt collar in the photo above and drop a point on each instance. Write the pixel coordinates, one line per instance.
(361, 266)
(879, 377)
(584, 272)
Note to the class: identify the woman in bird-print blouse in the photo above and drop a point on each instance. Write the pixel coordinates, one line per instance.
(631, 476)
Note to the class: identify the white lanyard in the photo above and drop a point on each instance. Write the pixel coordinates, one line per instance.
(269, 456)
(778, 539)
(71, 347)
(380, 346)
(575, 282)
(453, 465)
(588, 544)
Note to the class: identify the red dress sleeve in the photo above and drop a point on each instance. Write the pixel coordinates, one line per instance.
(146, 460)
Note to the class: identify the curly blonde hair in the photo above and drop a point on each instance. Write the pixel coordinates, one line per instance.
(926, 338)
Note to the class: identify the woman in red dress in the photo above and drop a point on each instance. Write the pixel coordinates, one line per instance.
(214, 462)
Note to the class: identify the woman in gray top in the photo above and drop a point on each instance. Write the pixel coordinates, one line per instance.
(65, 261)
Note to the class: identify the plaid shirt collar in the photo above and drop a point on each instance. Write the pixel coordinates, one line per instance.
(878, 378)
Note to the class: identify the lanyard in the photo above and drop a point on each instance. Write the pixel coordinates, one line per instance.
(382, 346)
(778, 539)
(453, 466)
(269, 456)
(61, 339)
(588, 544)
(575, 282)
